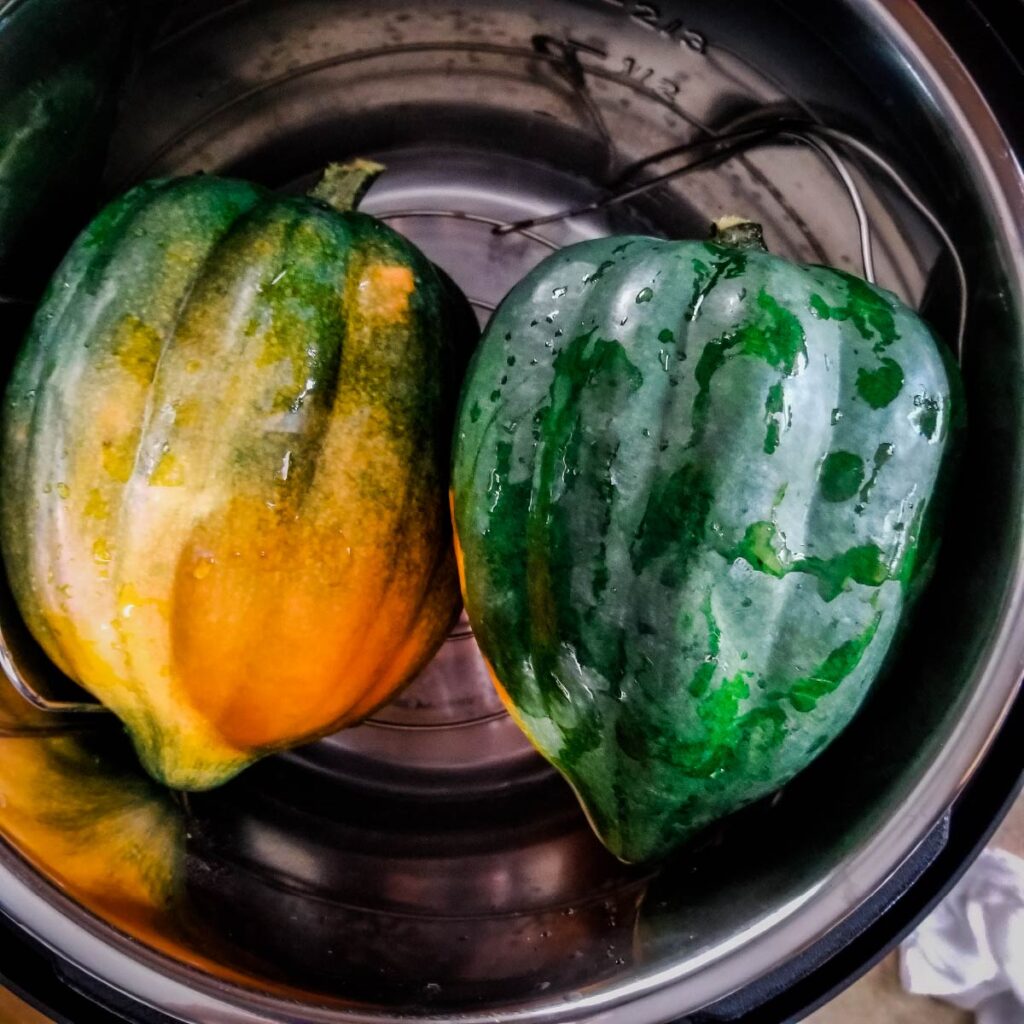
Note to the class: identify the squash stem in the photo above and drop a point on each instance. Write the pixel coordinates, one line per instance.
(738, 233)
(344, 185)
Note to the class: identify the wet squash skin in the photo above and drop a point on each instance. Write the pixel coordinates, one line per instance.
(225, 448)
(692, 488)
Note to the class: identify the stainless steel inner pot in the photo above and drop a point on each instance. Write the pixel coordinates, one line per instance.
(428, 864)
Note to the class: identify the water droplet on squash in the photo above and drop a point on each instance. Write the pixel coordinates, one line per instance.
(645, 295)
(63, 490)
(559, 292)
(202, 568)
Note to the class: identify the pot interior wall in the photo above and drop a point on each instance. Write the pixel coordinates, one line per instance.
(429, 862)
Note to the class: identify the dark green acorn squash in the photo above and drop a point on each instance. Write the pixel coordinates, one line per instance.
(691, 483)
(61, 66)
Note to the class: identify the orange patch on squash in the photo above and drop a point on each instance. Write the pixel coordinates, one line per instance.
(282, 627)
(384, 292)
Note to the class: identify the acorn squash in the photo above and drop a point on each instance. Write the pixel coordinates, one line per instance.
(225, 459)
(691, 488)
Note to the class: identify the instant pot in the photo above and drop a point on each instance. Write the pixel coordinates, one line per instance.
(427, 865)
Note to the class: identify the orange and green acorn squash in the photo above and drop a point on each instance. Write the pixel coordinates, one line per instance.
(225, 452)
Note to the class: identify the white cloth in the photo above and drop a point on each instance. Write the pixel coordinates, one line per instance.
(970, 949)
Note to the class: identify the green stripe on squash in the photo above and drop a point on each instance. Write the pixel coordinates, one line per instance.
(688, 522)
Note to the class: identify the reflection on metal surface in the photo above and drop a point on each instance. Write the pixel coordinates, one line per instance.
(77, 807)
(500, 228)
(14, 1011)
(472, 901)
